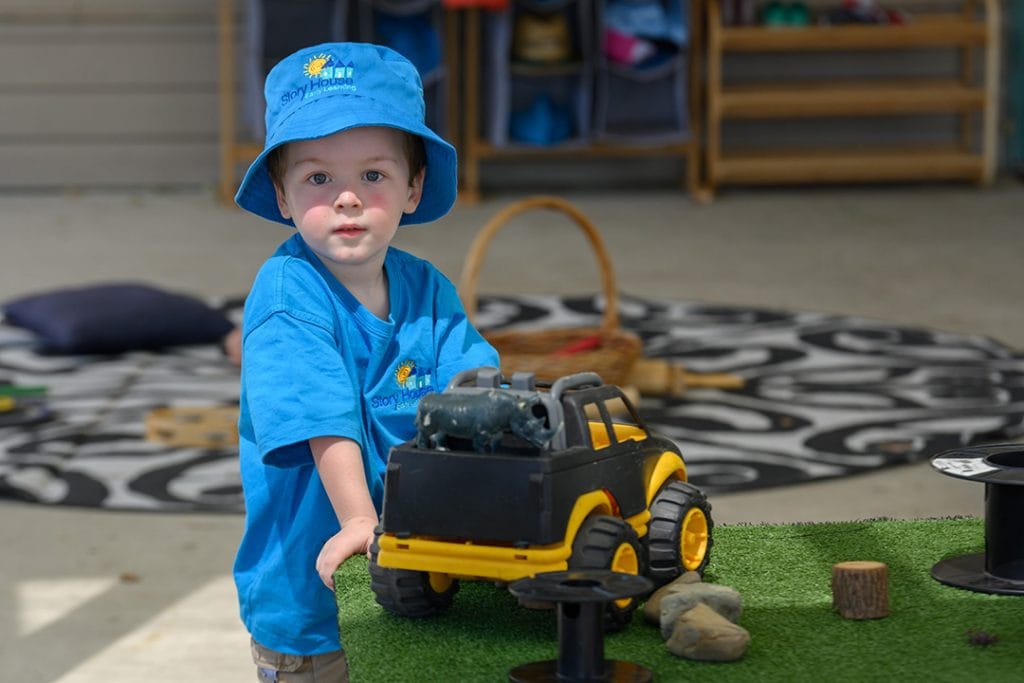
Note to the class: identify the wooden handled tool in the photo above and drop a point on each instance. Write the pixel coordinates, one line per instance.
(661, 377)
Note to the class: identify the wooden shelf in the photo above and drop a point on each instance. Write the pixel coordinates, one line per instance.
(848, 99)
(846, 166)
(971, 94)
(926, 31)
(589, 150)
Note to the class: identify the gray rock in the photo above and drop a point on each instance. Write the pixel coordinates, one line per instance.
(724, 600)
(703, 634)
(652, 608)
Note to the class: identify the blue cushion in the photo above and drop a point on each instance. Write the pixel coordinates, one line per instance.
(116, 317)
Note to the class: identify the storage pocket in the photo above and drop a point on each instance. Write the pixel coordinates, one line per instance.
(643, 103)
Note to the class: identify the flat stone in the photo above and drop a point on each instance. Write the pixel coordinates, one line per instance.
(652, 608)
(703, 634)
(724, 600)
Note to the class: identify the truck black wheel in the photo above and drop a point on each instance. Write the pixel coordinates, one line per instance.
(408, 593)
(679, 533)
(606, 542)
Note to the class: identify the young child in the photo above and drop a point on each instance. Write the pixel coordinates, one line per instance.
(341, 336)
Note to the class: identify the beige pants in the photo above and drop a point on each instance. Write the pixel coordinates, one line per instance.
(277, 667)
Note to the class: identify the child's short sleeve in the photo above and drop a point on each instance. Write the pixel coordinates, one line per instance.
(298, 381)
(304, 389)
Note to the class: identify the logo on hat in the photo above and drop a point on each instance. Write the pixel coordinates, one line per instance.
(326, 73)
(328, 67)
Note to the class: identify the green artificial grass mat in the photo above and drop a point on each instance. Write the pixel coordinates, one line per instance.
(783, 573)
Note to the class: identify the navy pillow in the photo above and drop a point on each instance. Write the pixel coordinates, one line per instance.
(117, 317)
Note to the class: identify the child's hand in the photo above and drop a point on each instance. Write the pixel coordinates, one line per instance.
(354, 538)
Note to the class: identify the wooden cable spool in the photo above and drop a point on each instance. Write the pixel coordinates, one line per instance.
(605, 349)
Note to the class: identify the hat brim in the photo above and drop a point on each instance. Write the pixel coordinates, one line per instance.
(332, 114)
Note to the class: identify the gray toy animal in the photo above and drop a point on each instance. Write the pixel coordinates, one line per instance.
(481, 416)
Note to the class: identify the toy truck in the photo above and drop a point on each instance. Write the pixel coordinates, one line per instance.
(505, 481)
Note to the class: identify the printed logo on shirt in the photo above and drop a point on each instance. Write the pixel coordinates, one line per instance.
(406, 374)
(413, 383)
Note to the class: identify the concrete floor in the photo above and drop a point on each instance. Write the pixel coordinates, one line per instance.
(100, 596)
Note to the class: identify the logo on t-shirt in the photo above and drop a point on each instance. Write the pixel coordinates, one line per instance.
(413, 383)
(407, 376)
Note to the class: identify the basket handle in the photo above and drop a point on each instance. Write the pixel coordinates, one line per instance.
(478, 249)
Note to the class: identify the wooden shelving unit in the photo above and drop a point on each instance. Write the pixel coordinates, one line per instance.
(973, 31)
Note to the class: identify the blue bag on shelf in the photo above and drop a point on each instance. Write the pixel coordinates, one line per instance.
(542, 123)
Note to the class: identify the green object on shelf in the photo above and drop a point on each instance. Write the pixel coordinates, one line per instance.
(773, 14)
(783, 573)
(785, 14)
(797, 14)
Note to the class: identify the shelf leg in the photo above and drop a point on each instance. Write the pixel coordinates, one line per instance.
(471, 114)
(226, 87)
(990, 117)
(713, 90)
(453, 58)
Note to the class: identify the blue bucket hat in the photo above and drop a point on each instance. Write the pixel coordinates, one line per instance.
(331, 87)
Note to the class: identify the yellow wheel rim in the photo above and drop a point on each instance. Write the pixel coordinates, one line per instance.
(625, 561)
(6, 404)
(693, 539)
(439, 583)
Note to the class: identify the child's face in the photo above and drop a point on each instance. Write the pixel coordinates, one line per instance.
(346, 194)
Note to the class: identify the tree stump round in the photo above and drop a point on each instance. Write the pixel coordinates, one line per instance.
(860, 589)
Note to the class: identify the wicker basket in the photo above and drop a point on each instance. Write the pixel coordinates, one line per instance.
(550, 354)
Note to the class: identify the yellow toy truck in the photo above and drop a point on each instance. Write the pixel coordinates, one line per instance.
(506, 481)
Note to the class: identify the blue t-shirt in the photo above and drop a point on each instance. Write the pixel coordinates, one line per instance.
(315, 362)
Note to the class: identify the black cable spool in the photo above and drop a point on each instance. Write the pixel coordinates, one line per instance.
(1000, 569)
(581, 596)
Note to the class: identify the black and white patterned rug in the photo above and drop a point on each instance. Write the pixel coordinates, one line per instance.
(825, 396)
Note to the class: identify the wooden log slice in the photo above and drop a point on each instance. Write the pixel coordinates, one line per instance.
(860, 589)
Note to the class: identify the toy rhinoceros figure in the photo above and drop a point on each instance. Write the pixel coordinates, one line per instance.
(481, 417)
